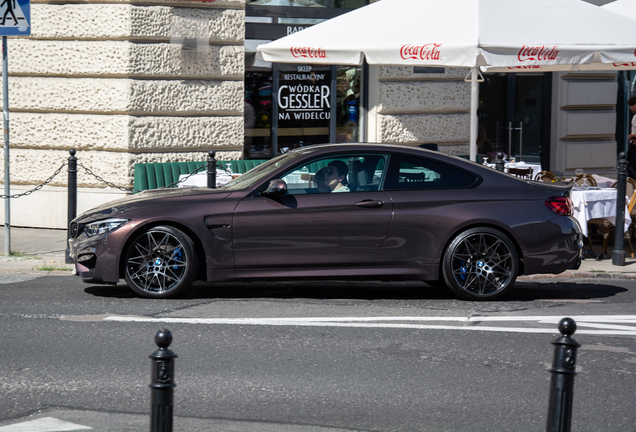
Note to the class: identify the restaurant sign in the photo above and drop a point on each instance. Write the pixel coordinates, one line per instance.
(304, 95)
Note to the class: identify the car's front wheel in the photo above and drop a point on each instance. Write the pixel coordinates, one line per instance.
(160, 262)
(480, 264)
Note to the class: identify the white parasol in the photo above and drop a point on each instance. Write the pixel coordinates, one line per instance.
(623, 7)
(494, 35)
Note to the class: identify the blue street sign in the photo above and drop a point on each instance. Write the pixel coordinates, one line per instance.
(15, 17)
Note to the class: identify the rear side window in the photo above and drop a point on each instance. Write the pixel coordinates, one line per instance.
(411, 172)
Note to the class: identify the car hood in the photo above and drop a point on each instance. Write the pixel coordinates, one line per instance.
(146, 199)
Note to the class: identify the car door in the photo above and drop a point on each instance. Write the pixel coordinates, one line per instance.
(429, 200)
(306, 228)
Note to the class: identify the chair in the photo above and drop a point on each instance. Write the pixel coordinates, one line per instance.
(583, 178)
(605, 228)
(545, 176)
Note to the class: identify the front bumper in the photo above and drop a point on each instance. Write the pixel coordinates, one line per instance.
(97, 258)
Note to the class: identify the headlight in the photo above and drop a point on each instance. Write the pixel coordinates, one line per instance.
(103, 226)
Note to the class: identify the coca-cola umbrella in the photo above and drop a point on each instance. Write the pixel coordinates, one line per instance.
(623, 7)
(494, 35)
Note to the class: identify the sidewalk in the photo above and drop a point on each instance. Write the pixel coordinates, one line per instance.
(43, 250)
(35, 251)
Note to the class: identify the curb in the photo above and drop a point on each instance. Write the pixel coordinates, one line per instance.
(580, 275)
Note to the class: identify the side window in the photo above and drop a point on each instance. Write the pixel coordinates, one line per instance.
(345, 173)
(411, 172)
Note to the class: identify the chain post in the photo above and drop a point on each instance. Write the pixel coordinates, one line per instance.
(562, 378)
(211, 170)
(162, 384)
(72, 200)
(618, 255)
(499, 162)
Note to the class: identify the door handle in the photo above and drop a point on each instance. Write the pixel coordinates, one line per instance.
(370, 203)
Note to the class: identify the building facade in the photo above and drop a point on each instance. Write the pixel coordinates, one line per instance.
(129, 82)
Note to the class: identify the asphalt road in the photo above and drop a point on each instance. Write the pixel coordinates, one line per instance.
(313, 356)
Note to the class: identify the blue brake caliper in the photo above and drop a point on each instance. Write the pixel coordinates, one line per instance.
(463, 269)
(177, 255)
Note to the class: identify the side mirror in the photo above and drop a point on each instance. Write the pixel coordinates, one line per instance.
(276, 187)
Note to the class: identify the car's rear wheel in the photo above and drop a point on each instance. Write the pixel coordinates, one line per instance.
(480, 264)
(160, 263)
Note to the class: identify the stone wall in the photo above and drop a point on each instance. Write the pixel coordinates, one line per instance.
(105, 78)
(413, 108)
(124, 82)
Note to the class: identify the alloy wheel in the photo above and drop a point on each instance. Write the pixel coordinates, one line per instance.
(481, 264)
(160, 263)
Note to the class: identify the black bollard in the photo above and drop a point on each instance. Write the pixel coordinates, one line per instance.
(499, 162)
(162, 384)
(562, 379)
(618, 256)
(211, 170)
(72, 200)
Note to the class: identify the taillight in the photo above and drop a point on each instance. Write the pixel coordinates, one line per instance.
(560, 205)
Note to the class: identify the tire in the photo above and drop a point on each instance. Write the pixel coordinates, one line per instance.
(480, 264)
(160, 263)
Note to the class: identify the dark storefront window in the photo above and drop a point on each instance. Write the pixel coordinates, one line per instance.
(293, 105)
(304, 105)
(514, 116)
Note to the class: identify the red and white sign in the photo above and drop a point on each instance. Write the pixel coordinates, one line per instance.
(308, 52)
(428, 51)
(538, 53)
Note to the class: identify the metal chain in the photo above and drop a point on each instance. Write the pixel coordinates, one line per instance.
(37, 188)
(121, 188)
(113, 185)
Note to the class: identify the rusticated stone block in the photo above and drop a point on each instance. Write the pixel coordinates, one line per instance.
(125, 21)
(125, 59)
(125, 133)
(34, 166)
(152, 134)
(85, 95)
(425, 128)
(424, 97)
(184, 157)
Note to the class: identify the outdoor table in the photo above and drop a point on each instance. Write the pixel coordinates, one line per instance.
(592, 203)
(603, 182)
(536, 168)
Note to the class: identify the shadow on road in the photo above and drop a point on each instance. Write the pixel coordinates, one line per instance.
(333, 290)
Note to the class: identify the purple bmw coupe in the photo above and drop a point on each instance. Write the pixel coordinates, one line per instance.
(354, 211)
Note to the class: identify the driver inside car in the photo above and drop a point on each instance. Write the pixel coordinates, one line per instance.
(336, 176)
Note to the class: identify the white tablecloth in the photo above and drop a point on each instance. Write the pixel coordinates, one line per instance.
(596, 203)
(201, 179)
(603, 182)
(536, 168)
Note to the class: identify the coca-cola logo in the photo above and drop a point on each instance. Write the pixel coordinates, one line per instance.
(624, 64)
(540, 53)
(308, 52)
(428, 51)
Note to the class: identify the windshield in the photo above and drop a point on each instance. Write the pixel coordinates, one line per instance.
(258, 173)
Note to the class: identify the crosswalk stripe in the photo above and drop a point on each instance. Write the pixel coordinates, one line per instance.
(600, 325)
(45, 424)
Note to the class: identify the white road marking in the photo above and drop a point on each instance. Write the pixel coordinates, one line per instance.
(45, 424)
(594, 324)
